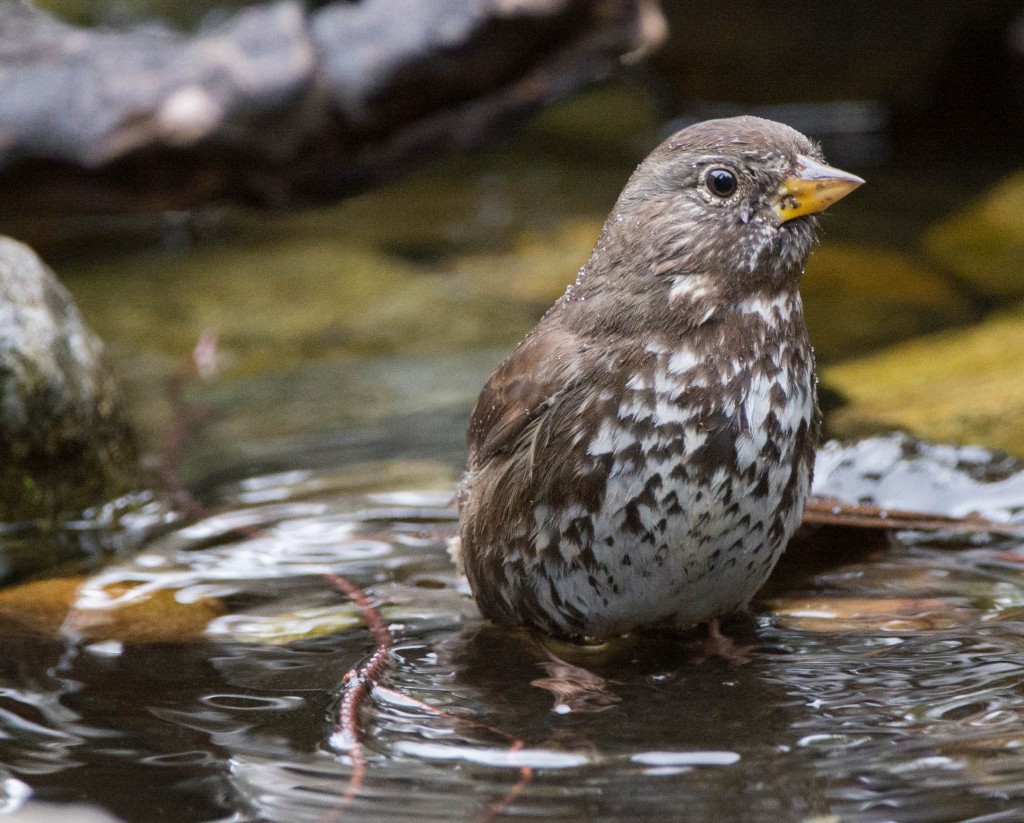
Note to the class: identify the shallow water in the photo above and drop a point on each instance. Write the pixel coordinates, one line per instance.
(883, 684)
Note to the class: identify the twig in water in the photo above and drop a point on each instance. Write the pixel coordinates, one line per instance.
(825, 511)
(357, 684)
(185, 416)
(359, 681)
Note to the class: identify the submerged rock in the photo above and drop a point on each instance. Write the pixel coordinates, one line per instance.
(984, 245)
(961, 386)
(859, 298)
(65, 443)
(871, 614)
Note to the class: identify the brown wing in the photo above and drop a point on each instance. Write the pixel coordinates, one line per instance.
(546, 364)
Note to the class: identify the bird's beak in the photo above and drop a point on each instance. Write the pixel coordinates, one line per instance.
(811, 187)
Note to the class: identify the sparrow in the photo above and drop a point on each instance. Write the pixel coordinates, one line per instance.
(643, 456)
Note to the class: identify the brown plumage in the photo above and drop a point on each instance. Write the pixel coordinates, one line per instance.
(643, 456)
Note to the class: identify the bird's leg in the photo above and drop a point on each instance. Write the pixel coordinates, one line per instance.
(717, 644)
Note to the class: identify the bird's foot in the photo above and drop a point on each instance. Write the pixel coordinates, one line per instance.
(716, 644)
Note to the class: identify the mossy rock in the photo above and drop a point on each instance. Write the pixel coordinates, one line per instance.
(65, 442)
(860, 298)
(984, 244)
(276, 305)
(962, 386)
(538, 268)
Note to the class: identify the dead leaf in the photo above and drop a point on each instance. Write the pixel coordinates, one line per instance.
(51, 607)
(865, 614)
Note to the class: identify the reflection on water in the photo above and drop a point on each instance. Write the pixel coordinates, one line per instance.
(884, 686)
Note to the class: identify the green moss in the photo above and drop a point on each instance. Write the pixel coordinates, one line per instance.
(463, 253)
(961, 386)
(859, 298)
(985, 244)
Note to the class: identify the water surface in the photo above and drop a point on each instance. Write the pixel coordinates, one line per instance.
(883, 682)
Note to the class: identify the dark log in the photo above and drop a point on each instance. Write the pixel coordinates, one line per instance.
(280, 107)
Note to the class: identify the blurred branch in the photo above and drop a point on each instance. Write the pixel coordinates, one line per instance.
(280, 107)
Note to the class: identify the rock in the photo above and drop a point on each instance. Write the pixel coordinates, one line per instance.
(537, 269)
(288, 627)
(65, 443)
(899, 472)
(279, 105)
(860, 298)
(961, 386)
(40, 607)
(984, 244)
(127, 613)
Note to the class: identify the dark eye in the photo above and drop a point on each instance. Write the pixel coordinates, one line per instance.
(720, 182)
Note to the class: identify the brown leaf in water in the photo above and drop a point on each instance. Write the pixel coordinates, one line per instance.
(41, 606)
(155, 617)
(868, 614)
(53, 607)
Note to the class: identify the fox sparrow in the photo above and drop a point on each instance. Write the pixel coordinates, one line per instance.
(643, 456)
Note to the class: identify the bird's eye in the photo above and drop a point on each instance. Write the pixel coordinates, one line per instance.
(720, 182)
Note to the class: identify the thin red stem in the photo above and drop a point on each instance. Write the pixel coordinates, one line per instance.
(359, 681)
(357, 684)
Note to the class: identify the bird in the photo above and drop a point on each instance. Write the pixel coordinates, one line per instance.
(642, 458)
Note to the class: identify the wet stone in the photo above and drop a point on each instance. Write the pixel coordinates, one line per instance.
(984, 244)
(537, 269)
(959, 386)
(65, 443)
(119, 611)
(859, 298)
(882, 614)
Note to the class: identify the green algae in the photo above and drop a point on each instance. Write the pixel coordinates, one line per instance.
(860, 298)
(961, 386)
(984, 244)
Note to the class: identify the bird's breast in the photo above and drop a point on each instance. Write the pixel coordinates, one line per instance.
(706, 452)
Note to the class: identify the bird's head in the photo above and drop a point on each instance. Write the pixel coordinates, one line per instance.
(721, 210)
